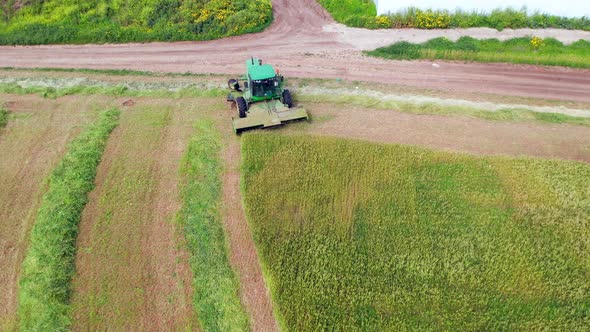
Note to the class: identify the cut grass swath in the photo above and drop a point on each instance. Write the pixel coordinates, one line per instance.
(44, 288)
(215, 285)
(361, 236)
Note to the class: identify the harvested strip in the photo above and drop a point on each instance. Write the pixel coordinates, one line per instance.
(131, 274)
(216, 286)
(35, 140)
(244, 256)
(44, 291)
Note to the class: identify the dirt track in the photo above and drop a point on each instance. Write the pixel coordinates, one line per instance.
(303, 41)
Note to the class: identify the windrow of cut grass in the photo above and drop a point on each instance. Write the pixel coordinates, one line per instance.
(48, 268)
(527, 50)
(361, 236)
(216, 286)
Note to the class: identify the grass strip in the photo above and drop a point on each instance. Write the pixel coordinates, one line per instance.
(3, 117)
(111, 90)
(48, 268)
(356, 236)
(526, 50)
(216, 286)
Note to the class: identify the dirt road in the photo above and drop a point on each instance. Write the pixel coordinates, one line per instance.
(304, 41)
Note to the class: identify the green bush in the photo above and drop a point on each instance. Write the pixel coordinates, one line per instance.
(355, 13)
(109, 21)
(48, 268)
(356, 236)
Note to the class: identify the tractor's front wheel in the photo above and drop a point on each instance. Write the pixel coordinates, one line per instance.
(287, 100)
(242, 106)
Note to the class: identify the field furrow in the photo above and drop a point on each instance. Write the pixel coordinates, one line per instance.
(132, 272)
(31, 144)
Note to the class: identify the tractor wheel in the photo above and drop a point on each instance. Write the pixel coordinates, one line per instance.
(287, 100)
(242, 106)
(233, 84)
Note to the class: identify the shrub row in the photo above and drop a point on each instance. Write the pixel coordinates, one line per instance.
(3, 117)
(529, 50)
(361, 13)
(48, 268)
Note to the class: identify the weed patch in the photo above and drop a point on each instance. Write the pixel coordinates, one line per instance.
(44, 289)
(215, 285)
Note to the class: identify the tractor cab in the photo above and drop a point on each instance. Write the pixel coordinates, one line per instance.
(263, 82)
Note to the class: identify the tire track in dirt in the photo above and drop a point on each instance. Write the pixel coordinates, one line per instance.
(244, 258)
(132, 270)
(35, 143)
(303, 41)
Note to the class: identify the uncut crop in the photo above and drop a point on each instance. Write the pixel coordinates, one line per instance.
(215, 284)
(528, 50)
(109, 21)
(48, 268)
(361, 236)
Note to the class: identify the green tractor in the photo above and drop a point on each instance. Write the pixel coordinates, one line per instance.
(262, 102)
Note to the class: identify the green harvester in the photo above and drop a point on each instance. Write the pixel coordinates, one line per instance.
(262, 102)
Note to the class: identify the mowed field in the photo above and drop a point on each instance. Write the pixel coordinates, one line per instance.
(369, 237)
(31, 144)
(189, 227)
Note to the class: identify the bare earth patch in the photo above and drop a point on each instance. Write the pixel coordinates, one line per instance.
(455, 133)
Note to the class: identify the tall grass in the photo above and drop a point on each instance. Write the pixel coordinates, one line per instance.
(361, 236)
(497, 19)
(3, 117)
(112, 21)
(215, 283)
(550, 52)
(48, 268)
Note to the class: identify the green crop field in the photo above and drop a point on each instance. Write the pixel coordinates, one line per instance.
(361, 236)
(536, 51)
(109, 21)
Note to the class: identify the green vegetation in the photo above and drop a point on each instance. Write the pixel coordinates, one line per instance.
(362, 14)
(110, 21)
(361, 236)
(536, 51)
(356, 13)
(497, 19)
(216, 286)
(3, 117)
(44, 291)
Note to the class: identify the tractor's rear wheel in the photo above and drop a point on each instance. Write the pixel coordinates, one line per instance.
(242, 106)
(287, 100)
